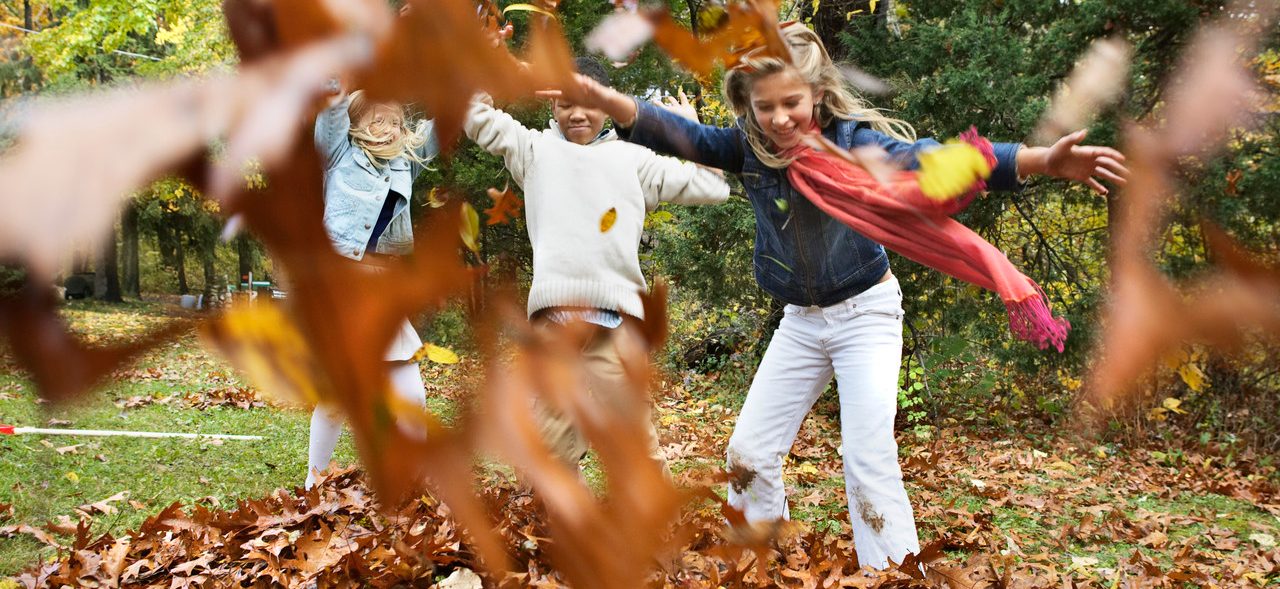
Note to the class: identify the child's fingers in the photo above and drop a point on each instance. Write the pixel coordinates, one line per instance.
(1109, 176)
(1114, 166)
(1096, 186)
(1111, 153)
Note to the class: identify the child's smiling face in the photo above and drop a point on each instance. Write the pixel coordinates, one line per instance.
(782, 104)
(579, 124)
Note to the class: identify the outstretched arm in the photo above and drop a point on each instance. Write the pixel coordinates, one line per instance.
(658, 129)
(498, 133)
(1069, 160)
(332, 125)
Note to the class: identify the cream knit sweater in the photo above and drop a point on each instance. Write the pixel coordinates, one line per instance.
(569, 188)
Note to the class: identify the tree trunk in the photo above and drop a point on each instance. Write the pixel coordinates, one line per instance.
(132, 285)
(106, 272)
(26, 15)
(695, 6)
(834, 16)
(180, 262)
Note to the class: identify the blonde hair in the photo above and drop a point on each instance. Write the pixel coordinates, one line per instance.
(812, 63)
(373, 141)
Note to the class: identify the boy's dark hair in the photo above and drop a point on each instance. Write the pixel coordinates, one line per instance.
(593, 69)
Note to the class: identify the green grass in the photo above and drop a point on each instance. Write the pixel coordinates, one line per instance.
(42, 483)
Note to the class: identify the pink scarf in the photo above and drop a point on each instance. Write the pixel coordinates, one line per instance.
(900, 217)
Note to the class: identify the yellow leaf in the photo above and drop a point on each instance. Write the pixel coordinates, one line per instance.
(1061, 465)
(609, 218)
(873, 5)
(1173, 405)
(72, 476)
(470, 230)
(264, 343)
(951, 170)
(434, 199)
(808, 469)
(434, 353)
(527, 8)
(1193, 376)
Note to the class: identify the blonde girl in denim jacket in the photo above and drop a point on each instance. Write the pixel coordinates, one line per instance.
(844, 306)
(371, 156)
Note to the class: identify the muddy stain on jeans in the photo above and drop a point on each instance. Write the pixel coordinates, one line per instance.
(867, 511)
(740, 475)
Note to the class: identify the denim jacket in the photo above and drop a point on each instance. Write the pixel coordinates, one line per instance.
(355, 188)
(802, 255)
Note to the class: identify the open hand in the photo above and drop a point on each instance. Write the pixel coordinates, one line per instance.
(679, 105)
(584, 91)
(1086, 164)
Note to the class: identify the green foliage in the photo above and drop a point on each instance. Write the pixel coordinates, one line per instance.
(185, 35)
(911, 398)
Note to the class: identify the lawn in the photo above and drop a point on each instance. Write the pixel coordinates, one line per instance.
(1049, 502)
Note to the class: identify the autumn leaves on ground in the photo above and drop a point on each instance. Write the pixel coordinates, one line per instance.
(1036, 508)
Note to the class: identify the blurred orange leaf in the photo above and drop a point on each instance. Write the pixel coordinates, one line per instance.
(506, 206)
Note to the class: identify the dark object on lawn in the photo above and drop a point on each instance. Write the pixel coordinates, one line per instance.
(79, 286)
(708, 354)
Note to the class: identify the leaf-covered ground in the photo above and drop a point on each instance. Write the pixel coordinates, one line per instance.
(1046, 508)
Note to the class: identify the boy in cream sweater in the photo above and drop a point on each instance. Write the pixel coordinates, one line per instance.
(573, 174)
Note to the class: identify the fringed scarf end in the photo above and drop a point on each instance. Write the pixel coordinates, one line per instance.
(1031, 320)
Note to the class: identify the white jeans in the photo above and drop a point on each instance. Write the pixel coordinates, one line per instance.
(859, 340)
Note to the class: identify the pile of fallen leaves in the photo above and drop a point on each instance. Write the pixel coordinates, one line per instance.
(337, 535)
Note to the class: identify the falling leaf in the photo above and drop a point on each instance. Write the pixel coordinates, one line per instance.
(619, 35)
(528, 8)
(469, 229)
(1172, 404)
(506, 206)
(1097, 81)
(265, 343)
(749, 26)
(434, 353)
(608, 219)
(863, 81)
(436, 198)
(951, 170)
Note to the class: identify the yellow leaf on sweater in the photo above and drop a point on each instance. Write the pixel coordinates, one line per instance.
(608, 219)
(951, 170)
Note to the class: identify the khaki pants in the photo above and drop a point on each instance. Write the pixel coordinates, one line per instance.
(607, 382)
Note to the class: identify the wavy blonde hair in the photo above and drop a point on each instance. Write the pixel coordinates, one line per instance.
(812, 63)
(372, 140)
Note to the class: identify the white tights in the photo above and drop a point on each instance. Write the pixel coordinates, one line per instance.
(326, 422)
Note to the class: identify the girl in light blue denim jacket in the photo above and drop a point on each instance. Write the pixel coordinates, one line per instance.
(371, 156)
(844, 307)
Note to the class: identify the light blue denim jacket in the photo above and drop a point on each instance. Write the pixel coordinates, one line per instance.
(354, 188)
